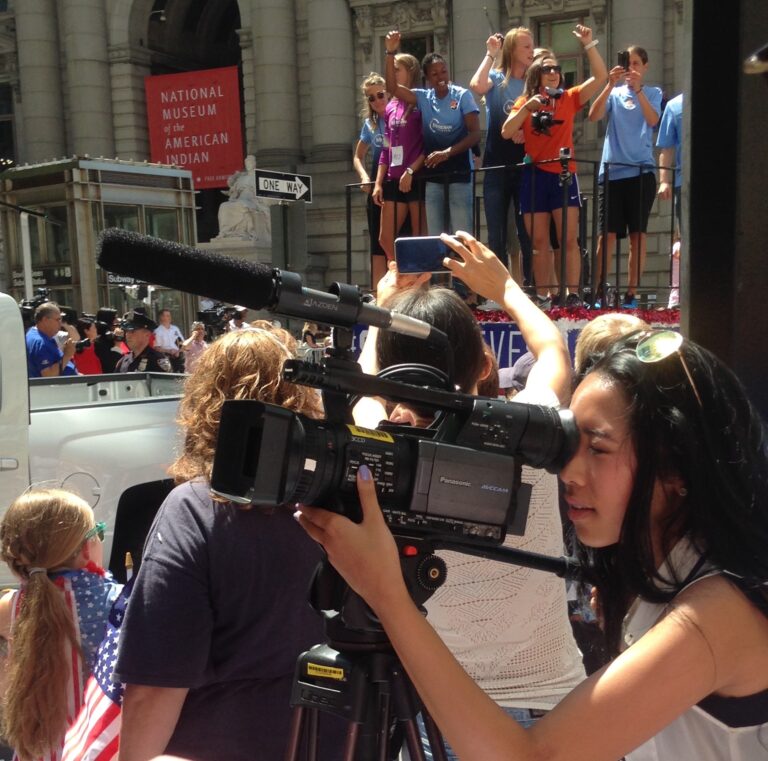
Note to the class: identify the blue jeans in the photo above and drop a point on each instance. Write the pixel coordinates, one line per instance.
(501, 190)
(459, 204)
(521, 715)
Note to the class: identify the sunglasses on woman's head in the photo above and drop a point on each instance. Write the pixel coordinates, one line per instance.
(552, 69)
(97, 530)
(380, 95)
(660, 344)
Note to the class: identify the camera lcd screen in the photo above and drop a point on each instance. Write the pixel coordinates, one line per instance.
(416, 255)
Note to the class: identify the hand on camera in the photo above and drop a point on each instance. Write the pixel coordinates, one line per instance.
(364, 553)
(633, 79)
(536, 102)
(615, 75)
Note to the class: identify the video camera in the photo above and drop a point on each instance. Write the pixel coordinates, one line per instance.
(28, 306)
(456, 481)
(216, 318)
(542, 121)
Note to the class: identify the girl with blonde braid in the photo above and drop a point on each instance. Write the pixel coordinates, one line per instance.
(55, 621)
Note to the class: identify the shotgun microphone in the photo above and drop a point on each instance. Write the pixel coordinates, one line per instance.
(252, 284)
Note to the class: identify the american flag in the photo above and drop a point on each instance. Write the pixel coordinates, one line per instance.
(95, 735)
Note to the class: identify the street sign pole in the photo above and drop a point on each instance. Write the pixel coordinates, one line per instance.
(287, 188)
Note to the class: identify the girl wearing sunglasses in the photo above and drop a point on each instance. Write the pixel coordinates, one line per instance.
(372, 137)
(541, 196)
(56, 620)
(668, 496)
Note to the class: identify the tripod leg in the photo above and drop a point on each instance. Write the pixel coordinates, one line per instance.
(349, 749)
(294, 736)
(436, 743)
(312, 735)
(413, 741)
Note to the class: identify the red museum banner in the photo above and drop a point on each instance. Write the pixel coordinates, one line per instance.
(194, 122)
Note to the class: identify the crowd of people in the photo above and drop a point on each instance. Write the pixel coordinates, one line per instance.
(663, 651)
(59, 345)
(666, 506)
(423, 138)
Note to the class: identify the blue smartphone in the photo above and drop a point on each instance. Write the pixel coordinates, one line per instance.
(417, 255)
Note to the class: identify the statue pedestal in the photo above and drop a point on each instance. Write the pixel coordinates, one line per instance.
(239, 249)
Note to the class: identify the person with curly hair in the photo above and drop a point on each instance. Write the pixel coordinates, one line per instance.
(55, 621)
(219, 614)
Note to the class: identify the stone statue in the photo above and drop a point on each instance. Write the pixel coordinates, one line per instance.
(245, 216)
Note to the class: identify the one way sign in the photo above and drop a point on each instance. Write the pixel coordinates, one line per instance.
(285, 186)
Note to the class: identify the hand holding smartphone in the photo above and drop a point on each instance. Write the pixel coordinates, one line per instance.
(422, 254)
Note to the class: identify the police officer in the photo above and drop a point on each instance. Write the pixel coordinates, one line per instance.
(142, 357)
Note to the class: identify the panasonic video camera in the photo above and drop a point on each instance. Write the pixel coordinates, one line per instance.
(457, 480)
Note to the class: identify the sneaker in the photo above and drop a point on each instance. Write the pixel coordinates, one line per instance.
(555, 300)
(629, 301)
(572, 301)
(542, 302)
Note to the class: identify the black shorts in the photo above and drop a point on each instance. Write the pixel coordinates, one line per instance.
(391, 192)
(629, 204)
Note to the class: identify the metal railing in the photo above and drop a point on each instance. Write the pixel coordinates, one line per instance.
(589, 218)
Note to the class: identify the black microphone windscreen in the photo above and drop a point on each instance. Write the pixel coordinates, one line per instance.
(205, 273)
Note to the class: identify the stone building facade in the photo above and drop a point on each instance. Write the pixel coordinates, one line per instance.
(72, 79)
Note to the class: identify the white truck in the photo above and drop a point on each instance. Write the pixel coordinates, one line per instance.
(109, 438)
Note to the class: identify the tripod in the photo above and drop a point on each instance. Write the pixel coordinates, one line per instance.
(357, 676)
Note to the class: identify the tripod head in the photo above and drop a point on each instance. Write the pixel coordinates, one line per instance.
(349, 623)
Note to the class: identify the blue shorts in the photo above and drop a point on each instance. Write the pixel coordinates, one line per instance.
(541, 191)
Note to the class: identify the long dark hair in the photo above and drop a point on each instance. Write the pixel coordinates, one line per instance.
(715, 446)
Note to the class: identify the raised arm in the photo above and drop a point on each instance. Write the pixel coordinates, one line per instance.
(695, 651)
(597, 66)
(483, 273)
(597, 109)
(481, 82)
(392, 45)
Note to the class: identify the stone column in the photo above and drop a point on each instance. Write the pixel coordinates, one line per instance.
(271, 85)
(84, 41)
(128, 67)
(331, 79)
(37, 43)
(469, 33)
(640, 24)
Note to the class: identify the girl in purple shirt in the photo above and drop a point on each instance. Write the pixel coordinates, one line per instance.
(401, 159)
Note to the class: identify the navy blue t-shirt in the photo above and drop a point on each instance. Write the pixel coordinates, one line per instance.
(220, 606)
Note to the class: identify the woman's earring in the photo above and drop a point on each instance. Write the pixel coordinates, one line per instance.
(682, 491)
